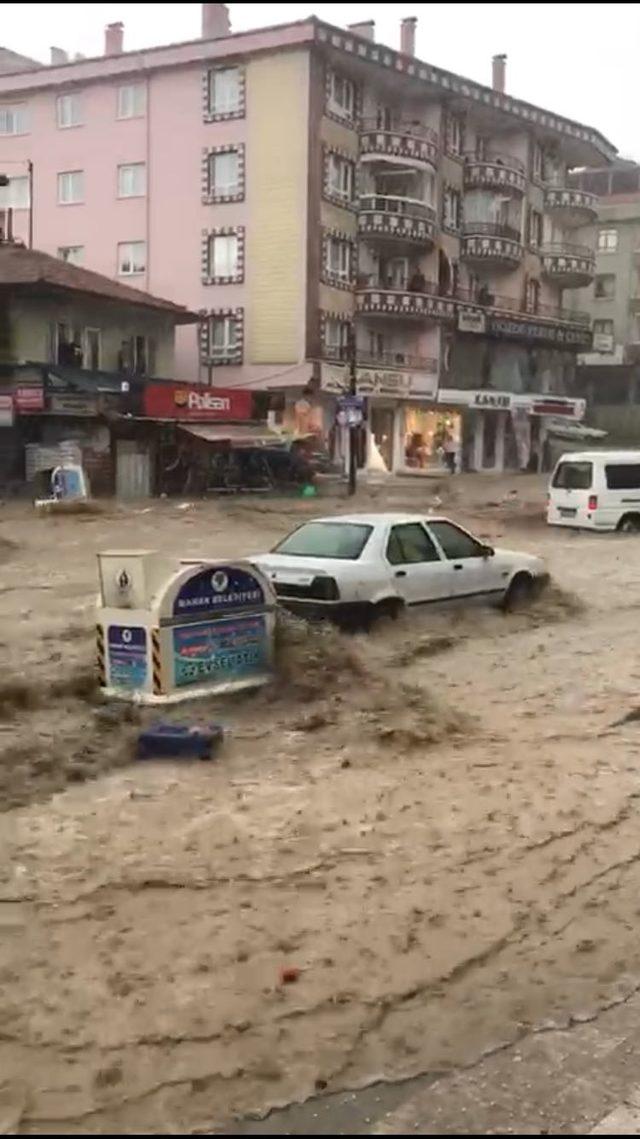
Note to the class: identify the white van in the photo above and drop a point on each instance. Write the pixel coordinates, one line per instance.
(596, 490)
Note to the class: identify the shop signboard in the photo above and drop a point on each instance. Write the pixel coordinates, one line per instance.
(603, 342)
(197, 403)
(517, 328)
(234, 649)
(6, 410)
(379, 381)
(28, 400)
(470, 321)
(127, 656)
(492, 401)
(486, 399)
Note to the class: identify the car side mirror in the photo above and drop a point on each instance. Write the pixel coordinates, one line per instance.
(488, 551)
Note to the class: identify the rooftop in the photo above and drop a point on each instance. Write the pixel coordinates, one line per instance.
(22, 268)
(587, 145)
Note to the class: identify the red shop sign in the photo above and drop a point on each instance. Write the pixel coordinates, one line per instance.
(197, 403)
(28, 399)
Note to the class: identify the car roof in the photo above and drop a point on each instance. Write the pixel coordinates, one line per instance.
(590, 456)
(385, 519)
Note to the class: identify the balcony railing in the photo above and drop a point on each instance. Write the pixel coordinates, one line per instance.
(495, 171)
(394, 204)
(372, 359)
(490, 229)
(498, 159)
(567, 200)
(489, 299)
(573, 266)
(408, 141)
(409, 127)
(562, 249)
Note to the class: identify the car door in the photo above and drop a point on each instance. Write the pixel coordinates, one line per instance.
(474, 572)
(419, 572)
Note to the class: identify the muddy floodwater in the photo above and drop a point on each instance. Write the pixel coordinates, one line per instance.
(434, 829)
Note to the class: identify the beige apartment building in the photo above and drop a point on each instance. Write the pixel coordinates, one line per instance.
(299, 183)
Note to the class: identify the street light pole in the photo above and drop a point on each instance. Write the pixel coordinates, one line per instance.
(30, 173)
(353, 430)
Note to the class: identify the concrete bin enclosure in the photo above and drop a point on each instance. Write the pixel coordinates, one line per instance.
(169, 630)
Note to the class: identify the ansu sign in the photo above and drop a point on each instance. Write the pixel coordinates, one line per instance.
(195, 403)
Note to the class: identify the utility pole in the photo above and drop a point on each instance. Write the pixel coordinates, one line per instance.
(30, 173)
(353, 430)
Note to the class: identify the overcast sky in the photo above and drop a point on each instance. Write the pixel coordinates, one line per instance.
(579, 60)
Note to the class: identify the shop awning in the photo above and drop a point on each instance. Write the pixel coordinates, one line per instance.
(253, 435)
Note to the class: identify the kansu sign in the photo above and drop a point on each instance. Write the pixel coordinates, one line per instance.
(196, 403)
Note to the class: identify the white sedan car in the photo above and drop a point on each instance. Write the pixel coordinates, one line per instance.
(356, 568)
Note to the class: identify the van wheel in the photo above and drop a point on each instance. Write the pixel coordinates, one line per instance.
(629, 524)
(520, 593)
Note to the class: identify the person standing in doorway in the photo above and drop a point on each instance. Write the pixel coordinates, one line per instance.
(449, 449)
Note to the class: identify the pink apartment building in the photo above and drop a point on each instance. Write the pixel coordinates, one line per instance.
(299, 182)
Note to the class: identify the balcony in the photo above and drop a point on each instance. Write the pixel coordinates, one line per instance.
(570, 208)
(500, 172)
(406, 145)
(486, 298)
(403, 361)
(393, 220)
(491, 243)
(569, 266)
(374, 299)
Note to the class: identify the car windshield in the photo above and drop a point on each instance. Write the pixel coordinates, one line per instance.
(573, 476)
(344, 540)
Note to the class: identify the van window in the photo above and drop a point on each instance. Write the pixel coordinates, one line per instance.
(623, 476)
(573, 476)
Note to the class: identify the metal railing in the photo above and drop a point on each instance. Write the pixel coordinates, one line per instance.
(488, 299)
(490, 229)
(413, 284)
(394, 204)
(372, 359)
(507, 160)
(562, 249)
(413, 129)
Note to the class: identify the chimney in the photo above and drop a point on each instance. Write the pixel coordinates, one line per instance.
(408, 35)
(499, 72)
(113, 39)
(366, 29)
(58, 56)
(215, 21)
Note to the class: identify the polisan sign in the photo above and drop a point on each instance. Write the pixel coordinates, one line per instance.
(196, 403)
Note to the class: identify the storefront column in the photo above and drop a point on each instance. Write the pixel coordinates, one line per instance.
(500, 435)
(478, 442)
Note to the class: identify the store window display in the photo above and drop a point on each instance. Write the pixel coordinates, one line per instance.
(432, 438)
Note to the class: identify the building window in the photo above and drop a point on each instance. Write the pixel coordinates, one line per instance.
(341, 96)
(453, 134)
(137, 355)
(132, 101)
(132, 180)
(224, 175)
(132, 258)
(451, 208)
(224, 339)
(532, 295)
(15, 195)
(225, 92)
(69, 110)
(223, 256)
(336, 337)
(73, 254)
(534, 235)
(607, 240)
(605, 286)
(340, 178)
(92, 351)
(603, 328)
(14, 119)
(71, 187)
(537, 161)
(338, 259)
